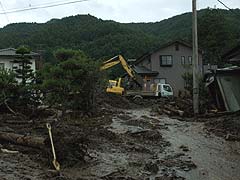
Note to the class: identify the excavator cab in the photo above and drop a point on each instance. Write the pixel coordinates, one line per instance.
(115, 87)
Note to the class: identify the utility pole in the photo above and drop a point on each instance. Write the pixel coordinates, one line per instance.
(195, 59)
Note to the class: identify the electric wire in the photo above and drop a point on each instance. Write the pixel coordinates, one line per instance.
(224, 5)
(42, 6)
(3, 9)
(230, 9)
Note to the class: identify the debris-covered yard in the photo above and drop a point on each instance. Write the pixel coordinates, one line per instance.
(136, 142)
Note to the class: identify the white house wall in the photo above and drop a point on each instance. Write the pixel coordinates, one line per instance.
(8, 64)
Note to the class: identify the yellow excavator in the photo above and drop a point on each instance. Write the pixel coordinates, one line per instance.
(114, 86)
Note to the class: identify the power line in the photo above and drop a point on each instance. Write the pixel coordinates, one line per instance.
(42, 6)
(4, 11)
(36, 5)
(224, 5)
(231, 10)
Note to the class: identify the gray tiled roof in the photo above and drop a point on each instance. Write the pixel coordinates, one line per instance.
(143, 70)
(12, 52)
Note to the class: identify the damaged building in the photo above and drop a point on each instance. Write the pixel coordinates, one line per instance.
(224, 86)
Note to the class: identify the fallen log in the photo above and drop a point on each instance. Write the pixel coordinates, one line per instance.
(173, 110)
(8, 151)
(31, 141)
(167, 112)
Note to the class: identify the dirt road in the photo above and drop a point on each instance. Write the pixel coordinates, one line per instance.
(138, 144)
(214, 157)
(144, 145)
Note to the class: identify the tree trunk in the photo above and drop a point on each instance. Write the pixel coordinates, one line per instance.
(32, 141)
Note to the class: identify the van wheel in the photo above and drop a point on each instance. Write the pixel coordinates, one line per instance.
(137, 99)
(159, 95)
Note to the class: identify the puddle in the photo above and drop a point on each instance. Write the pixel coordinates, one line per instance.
(119, 127)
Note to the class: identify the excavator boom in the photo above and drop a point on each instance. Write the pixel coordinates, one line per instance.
(117, 60)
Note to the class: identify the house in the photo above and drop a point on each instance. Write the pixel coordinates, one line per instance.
(168, 64)
(224, 86)
(8, 55)
(232, 56)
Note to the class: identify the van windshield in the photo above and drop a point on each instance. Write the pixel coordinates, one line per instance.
(167, 88)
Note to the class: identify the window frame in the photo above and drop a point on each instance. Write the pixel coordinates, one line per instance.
(183, 60)
(190, 62)
(176, 47)
(167, 64)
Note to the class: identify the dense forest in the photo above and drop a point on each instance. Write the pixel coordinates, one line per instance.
(219, 31)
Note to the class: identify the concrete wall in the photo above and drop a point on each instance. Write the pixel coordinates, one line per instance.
(173, 74)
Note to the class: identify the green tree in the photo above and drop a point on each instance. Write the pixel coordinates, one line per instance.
(214, 35)
(9, 88)
(24, 72)
(71, 83)
(28, 94)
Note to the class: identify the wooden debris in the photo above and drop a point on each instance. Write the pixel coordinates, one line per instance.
(8, 151)
(31, 141)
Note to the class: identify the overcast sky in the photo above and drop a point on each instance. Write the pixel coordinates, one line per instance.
(118, 10)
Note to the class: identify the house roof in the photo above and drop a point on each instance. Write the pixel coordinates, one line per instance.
(12, 52)
(182, 42)
(231, 53)
(229, 70)
(141, 70)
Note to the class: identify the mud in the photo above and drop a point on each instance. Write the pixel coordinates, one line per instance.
(122, 144)
(227, 126)
(214, 157)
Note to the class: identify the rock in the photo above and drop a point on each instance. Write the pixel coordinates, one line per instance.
(184, 148)
(151, 167)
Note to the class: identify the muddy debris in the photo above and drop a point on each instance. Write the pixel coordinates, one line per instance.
(184, 148)
(178, 161)
(227, 126)
(123, 144)
(151, 167)
(148, 135)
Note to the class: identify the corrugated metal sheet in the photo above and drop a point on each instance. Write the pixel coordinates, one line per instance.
(225, 86)
(230, 89)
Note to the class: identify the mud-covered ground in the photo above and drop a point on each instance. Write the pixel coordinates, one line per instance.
(121, 144)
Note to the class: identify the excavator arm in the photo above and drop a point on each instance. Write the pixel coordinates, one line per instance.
(116, 60)
(115, 86)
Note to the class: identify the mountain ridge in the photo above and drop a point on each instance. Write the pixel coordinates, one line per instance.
(219, 30)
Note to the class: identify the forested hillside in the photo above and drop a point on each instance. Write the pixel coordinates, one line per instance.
(219, 30)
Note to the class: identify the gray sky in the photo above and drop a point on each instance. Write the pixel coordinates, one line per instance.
(118, 10)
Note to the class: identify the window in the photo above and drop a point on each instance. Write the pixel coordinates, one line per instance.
(1, 65)
(190, 60)
(167, 88)
(176, 47)
(183, 60)
(160, 80)
(15, 66)
(166, 60)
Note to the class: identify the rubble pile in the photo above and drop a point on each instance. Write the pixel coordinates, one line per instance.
(227, 126)
(174, 107)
